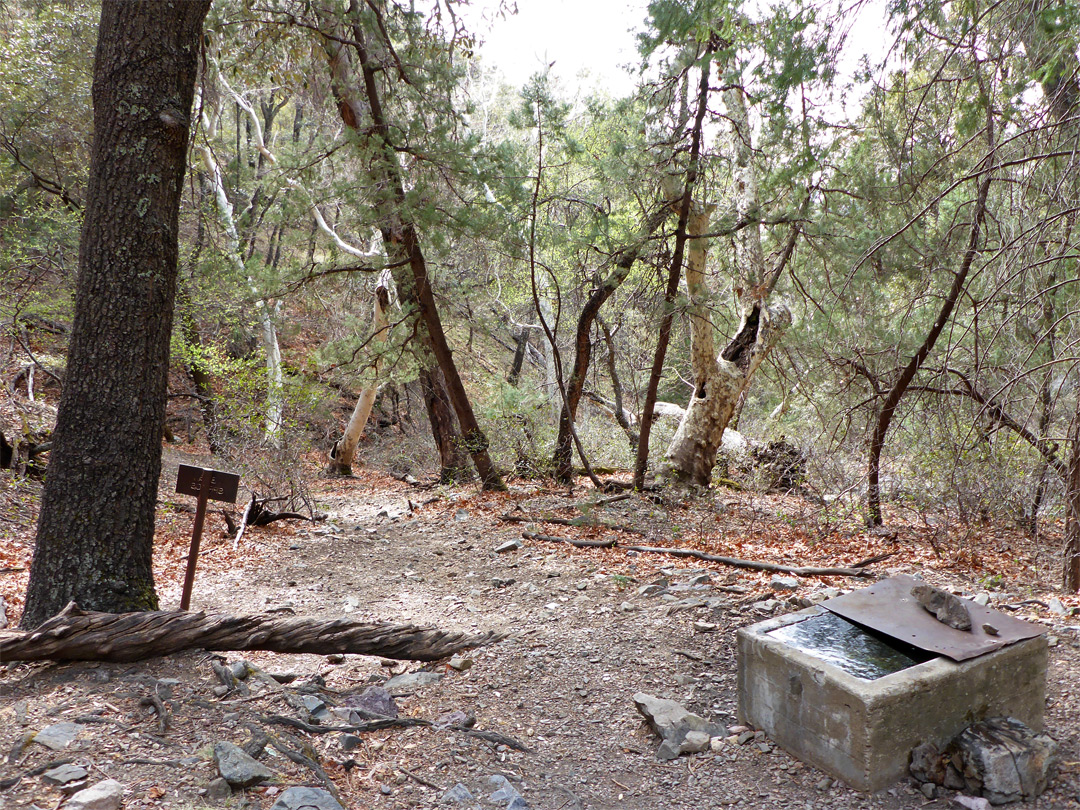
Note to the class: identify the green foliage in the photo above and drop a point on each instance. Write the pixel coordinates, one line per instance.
(881, 198)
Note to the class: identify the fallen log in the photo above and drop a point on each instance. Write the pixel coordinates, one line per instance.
(734, 562)
(78, 635)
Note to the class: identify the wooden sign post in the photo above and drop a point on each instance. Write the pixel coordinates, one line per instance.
(205, 485)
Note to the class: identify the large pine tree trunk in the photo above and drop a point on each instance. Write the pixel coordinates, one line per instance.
(453, 460)
(95, 533)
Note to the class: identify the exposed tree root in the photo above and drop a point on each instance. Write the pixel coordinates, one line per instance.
(74, 635)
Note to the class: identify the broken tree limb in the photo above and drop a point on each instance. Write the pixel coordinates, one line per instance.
(243, 522)
(754, 565)
(603, 501)
(78, 635)
(874, 559)
(580, 521)
(295, 755)
(550, 538)
(734, 562)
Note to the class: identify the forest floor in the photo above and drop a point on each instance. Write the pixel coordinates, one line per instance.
(581, 640)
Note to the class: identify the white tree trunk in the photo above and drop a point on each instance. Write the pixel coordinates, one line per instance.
(720, 380)
(344, 451)
(275, 379)
(266, 310)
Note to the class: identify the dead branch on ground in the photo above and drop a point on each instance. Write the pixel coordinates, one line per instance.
(581, 521)
(734, 562)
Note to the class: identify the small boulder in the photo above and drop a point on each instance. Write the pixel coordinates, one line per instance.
(458, 794)
(999, 759)
(106, 795)
(675, 725)
(64, 774)
(238, 768)
(408, 683)
(305, 798)
(779, 583)
(374, 702)
(58, 736)
(506, 792)
(349, 742)
(218, 790)
(693, 742)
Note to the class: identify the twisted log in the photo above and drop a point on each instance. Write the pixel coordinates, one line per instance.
(78, 635)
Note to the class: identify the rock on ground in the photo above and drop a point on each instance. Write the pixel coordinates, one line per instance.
(681, 731)
(57, 736)
(106, 795)
(1000, 759)
(304, 798)
(237, 767)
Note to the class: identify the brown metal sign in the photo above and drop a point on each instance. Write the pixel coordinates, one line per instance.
(223, 485)
(888, 607)
(204, 485)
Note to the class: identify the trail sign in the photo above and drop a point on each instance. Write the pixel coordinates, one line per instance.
(222, 487)
(204, 485)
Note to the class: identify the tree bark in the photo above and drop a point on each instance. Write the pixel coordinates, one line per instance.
(453, 460)
(77, 635)
(341, 456)
(521, 343)
(562, 459)
(399, 232)
(720, 382)
(1071, 563)
(96, 528)
(903, 382)
(675, 269)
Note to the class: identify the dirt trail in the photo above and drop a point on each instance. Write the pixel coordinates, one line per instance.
(581, 641)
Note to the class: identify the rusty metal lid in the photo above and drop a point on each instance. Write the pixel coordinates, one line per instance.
(889, 608)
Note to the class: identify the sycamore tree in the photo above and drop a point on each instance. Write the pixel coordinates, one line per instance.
(713, 60)
(393, 107)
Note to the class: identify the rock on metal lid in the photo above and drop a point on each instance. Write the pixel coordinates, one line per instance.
(889, 607)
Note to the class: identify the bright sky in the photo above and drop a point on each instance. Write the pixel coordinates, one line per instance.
(577, 35)
(589, 42)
